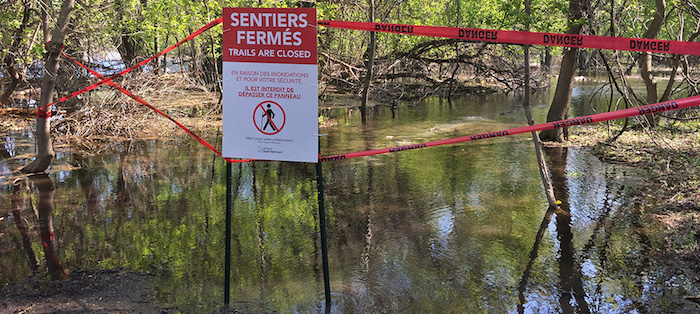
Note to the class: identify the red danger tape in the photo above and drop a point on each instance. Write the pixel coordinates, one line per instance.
(145, 103)
(526, 38)
(600, 117)
(106, 80)
(44, 113)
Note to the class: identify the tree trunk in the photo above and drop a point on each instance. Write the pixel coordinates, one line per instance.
(562, 94)
(547, 59)
(13, 72)
(370, 62)
(130, 45)
(645, 60)
(44, 149)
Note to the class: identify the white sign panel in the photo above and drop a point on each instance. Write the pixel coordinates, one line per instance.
(270, 84)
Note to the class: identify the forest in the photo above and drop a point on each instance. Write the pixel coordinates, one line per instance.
(111, 35)
(133, 191)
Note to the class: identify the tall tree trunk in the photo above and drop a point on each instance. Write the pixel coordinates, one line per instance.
(44, 149)
(645, 60)
(562, 94)
(130, 45)
(370, 61)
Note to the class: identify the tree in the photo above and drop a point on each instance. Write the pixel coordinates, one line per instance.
(562, 94)
(10, 60)
(127, 25)
(370, 59)
(645, 60)
(45, 152)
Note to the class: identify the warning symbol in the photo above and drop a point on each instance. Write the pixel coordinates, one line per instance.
(269, 117)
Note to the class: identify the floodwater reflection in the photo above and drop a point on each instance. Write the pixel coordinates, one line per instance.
(571, 284)
(463, 228)
(46, 189)
(19, 203)
(23, 211)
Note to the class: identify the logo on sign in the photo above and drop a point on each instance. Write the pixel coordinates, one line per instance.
(269, 117)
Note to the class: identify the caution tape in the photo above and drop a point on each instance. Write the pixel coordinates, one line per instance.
(145, 103)
(468, 34)
(166, 50)
(526, 38)
(600, 117)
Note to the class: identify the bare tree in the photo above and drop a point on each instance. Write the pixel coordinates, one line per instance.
(45, 152)
(371, 50)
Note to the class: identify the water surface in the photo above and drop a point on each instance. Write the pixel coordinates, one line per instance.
(462, 228)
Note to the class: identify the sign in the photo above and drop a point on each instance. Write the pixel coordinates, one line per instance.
(270, 84)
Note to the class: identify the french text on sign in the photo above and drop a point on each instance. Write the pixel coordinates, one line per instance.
(259, 35)
(270, 86)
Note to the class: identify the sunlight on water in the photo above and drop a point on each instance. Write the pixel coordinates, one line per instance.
(460, 228)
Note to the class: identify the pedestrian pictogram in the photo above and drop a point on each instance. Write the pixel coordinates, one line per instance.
(269, 117)
(270, 80)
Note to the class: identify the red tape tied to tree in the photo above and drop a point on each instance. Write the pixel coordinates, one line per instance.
(513, 37)
(600, 117)
(106, 80)
(145, 103)
(526, 38)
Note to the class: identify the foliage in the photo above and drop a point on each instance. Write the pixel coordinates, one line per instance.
(131, 30)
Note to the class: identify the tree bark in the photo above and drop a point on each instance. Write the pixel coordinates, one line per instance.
(559, 109)
(45, 152)
(370, 62)
(13, 72)
(645, 60)
(130, 45)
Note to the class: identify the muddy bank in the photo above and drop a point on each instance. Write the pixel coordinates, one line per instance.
(100, 291)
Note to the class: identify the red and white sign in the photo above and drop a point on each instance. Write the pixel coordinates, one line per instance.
(270, 84)
(268, 117)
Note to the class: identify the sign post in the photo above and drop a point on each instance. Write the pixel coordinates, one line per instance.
(270, 97)
(227, 259)
(324, 243)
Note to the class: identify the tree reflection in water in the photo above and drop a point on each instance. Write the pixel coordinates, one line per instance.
(45, 203)
(20, 203)
(571, 283)
(435, 230)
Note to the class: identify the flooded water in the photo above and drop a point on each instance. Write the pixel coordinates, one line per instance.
(462, 228)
